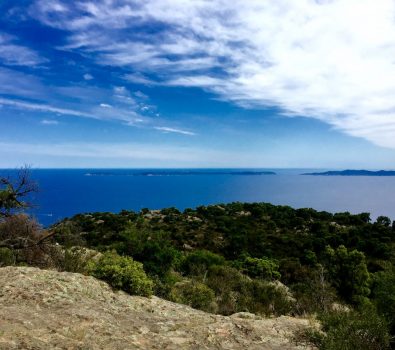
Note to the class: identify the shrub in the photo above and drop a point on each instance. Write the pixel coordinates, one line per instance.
(7, 257)
(153, 249)
(263, 268)
(199, 261)
(194, 294)
(383, 295)
(74, 259)
(231, 288)
(164, 284)
(158, 257)
(349, 330)
(122, 272)
(22, 234)
(270, 298)
(349, 274)
(236, 292)
(226, 278)
(314, 294)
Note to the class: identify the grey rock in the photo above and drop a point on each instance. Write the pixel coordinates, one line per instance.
(44, 309)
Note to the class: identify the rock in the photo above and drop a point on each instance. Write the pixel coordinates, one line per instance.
(280, 286)
(246, 315)
(340, 307)
(43, 309)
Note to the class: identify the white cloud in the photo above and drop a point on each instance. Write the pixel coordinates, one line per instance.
(82, 99)
(13, 82)
(173, 130)
(138, 78)
(141, 95)
(13, 54)
(332, 60)
(88, 76)
(43, 108)
(102, 112)
(49, 122)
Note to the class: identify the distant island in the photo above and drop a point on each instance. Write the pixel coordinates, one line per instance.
(354, 173)
(180, 173)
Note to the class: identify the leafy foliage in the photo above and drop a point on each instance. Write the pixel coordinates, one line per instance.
(264, 268)
(7, 257)
(383, 295)
(195, 294)
(199, 261)
(349, 273)
(350, 330)
(239, 250)
(73, 259)
(13, 192)
(122, 272)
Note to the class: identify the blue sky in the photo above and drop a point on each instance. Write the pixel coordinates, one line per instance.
(177, 83)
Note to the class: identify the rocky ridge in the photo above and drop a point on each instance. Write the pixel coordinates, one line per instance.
(44, 309)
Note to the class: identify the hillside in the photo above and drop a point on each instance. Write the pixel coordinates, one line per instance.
(354, 173)
(43, 309)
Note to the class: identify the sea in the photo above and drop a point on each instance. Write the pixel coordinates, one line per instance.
(65, 192)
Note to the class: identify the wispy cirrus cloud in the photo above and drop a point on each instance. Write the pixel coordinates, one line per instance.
(174, 130)
(14, 54)
(20, 84)
(328, 60)
(49, 122)
(43, 108)
(125, 107)
(88, 76)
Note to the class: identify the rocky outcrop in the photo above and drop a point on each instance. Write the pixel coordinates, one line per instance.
(42, 309)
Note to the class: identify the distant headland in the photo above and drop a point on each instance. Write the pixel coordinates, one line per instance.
(354, 173)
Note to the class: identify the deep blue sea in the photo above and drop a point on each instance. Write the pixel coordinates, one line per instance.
(65, 192)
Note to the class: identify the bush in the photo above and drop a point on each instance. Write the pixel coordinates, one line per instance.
(231, 288)
(383, 295)
(163, 285)
(349, 330)
(7, 257)
(194, 294)
(153, 249)
(199, 261)
(349, 273)
(236, 293)
(20, 233)
(264, 268)
(74, 259)
(158, 257)
(270, 299)
(122, 273)
(314, 294)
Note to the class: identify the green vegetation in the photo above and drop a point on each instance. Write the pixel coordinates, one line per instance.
(122, 272)
(255, 257)
(349, 330)
(227, 258)
(264, 268)
(195, 294)
(7, 257)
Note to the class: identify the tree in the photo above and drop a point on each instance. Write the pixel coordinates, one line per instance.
(383, 221)
(14, 191)
(263, 268)
(348, 273)
(20, 234)
(383, 294)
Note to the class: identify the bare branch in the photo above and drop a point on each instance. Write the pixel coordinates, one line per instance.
(14, 191)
